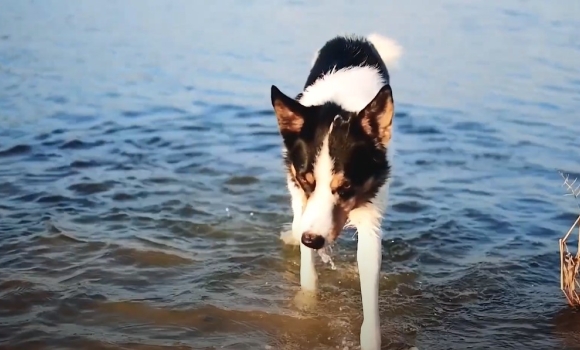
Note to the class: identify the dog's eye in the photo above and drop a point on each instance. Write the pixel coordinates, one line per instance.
(345, 191)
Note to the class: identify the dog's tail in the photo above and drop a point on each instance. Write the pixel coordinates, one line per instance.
(389, 50)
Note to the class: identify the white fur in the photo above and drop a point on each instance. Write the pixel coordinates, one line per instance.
(317, 217)
(389, 50)
(351, 88)
(367, 220)
(308, 276)
(369, 259)
(297, 208)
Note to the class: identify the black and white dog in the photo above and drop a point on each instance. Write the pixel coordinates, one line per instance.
(336, 135)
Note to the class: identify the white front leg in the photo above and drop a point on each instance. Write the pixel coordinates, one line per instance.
(308, 276)
(369, 258)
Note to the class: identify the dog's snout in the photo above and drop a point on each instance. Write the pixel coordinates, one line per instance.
(312, 240)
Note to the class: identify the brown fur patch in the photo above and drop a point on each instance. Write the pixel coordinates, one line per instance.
(379, 114)
(340, 215)
(309, 177)
(307, 182)
(386, 125)
(288, 121)
(343, 208)
(338, 180)
(366, 125)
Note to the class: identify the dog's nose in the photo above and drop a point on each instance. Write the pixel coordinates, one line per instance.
(312, 240)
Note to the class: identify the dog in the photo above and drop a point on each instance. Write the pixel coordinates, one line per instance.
(336, 135)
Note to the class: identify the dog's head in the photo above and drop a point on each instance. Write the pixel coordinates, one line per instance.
(336, 159)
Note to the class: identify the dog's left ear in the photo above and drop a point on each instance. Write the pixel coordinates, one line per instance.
(377, 117)
(289, 112)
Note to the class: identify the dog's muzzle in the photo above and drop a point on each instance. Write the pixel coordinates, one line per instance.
(312, 240)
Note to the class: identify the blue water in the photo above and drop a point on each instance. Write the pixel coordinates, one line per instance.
(142, 193)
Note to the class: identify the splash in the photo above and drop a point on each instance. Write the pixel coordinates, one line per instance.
(325, 256)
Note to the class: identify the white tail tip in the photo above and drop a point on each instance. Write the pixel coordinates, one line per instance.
(389, 50)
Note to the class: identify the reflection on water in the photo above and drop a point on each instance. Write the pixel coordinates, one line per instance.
(142, 193)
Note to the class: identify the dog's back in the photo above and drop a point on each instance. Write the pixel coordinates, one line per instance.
(344, 52)
(349, 70)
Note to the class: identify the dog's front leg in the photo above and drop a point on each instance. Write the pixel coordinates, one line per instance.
(308, 276)
(369, 258)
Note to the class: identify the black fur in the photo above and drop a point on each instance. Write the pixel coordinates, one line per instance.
(355, 153)
(344, 52)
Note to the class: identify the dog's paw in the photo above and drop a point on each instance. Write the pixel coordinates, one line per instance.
(288, 238)
(370, 336)
(305, 300)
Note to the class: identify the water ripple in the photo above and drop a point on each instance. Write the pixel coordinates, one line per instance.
(142, 190)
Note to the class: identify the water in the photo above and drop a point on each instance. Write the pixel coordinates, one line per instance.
(142, 193)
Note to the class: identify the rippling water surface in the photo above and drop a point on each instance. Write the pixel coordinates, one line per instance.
(142, 193)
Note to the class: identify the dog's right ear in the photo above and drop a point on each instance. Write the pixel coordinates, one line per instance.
(289, 112)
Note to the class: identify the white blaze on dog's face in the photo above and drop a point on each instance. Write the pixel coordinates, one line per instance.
(337, 159)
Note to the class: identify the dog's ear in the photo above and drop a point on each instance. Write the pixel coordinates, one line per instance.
(377, 117)
(289, 112)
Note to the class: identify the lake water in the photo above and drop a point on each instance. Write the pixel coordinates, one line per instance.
(142, 193)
